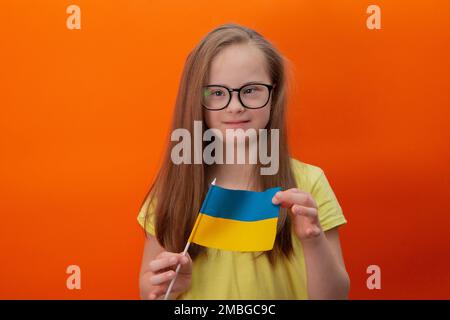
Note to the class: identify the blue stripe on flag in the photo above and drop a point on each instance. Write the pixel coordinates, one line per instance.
(240, 205)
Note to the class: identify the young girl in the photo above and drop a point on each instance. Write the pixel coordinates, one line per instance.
(306, 261)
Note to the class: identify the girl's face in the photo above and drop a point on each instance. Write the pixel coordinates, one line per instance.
(234, 67)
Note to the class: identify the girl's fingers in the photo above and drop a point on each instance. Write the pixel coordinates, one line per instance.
(293, 196)
(167, 261)
(162, 277)
(162, 263)
(304, 211)
(167, 254)
(160, 291)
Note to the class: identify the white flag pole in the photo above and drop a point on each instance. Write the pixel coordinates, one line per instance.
(179, 265)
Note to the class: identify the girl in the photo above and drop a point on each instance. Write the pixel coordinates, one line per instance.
(306, 261)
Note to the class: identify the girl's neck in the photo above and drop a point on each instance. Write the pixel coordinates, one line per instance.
(233, 176)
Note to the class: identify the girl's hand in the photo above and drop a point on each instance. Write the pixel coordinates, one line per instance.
(303, 210)
(163, 268)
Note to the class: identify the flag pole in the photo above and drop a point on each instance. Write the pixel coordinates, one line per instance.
(184, 253)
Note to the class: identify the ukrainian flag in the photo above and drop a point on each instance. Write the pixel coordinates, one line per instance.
(237, 220)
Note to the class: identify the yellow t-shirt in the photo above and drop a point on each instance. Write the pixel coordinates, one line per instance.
(229, 275)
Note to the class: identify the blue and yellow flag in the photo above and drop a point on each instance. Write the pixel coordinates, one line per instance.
(237, 220)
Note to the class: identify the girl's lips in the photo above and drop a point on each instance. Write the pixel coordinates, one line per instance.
(236, 124)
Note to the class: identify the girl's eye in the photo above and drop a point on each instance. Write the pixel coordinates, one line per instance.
(214, 93)
(251, 90)
(218, 93)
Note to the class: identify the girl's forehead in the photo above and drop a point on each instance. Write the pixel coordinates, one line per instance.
(237, 65)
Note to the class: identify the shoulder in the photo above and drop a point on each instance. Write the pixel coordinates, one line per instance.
(306, 175)
(312, 179)
(145, 216)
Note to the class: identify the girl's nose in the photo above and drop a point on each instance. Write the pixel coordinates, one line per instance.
(235, 105)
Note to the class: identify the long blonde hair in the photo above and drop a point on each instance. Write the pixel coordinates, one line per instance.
(180, 189)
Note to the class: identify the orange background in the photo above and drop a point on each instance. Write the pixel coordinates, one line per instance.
(84, 115)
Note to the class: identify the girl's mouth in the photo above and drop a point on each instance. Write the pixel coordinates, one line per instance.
(236, 124)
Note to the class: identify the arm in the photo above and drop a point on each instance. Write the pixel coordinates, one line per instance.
(326, 274)
(325, 268)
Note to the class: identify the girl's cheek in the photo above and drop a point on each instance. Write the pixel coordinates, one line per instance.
(261, 118)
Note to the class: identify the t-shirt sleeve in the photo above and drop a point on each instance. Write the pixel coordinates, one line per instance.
(148, 224)
(330, 211)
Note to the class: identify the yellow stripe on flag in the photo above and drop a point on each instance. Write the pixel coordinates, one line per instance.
(234, 235)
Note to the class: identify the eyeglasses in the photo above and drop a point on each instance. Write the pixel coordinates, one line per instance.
(251, 96)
